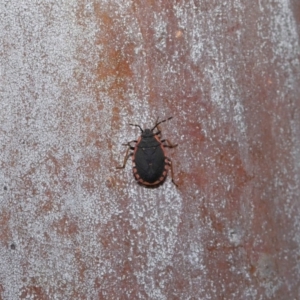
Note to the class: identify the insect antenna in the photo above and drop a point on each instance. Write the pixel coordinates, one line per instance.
(157, 123)
(137, 126)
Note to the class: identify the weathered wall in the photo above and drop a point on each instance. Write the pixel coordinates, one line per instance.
(74, 74)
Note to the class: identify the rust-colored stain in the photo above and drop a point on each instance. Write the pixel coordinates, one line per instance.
(34, 292)
(66, 226)
(75, 74)
(5, 234)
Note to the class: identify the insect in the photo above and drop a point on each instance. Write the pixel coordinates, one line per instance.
(150, 163)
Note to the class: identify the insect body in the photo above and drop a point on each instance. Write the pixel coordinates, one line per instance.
(150, 163)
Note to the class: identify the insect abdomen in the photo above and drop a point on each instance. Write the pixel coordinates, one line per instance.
(149, 163)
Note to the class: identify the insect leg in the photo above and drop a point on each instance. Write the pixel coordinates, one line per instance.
(169, 144)
(158, 133)
(127, 155)
(128, 144)
(172, 173)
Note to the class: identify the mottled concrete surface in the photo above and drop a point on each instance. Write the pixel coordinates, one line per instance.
(74, 74)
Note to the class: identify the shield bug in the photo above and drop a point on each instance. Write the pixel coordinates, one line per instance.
(150, 163)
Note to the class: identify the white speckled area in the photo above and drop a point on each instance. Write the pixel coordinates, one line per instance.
(74, 74)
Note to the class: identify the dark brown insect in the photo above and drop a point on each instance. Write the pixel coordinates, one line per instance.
(150, 163)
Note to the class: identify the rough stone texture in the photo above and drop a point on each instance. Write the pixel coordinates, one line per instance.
(74, 74)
